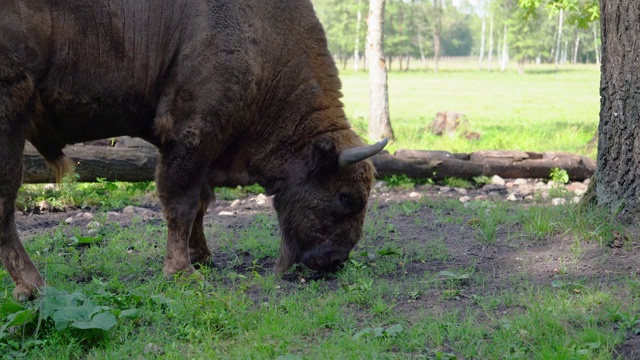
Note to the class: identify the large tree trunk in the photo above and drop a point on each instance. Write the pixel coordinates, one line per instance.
(617, 177)
(379, 121)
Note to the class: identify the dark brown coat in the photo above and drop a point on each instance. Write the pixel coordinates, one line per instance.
(231, 92)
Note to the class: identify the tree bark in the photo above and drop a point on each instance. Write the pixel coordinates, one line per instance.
(504, 60)
(617, 177)
(595, 42)
(139, 164)
(559, 38)
(356, 51)
(482, 40)
(490, 52)
(576, 48)
(437, 30)
(379, 120)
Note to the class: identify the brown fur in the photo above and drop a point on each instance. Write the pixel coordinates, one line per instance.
(231, 93)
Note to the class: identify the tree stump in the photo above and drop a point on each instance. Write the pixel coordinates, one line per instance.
(448, 123)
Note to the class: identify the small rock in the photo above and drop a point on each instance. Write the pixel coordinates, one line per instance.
(587, 181)
(69, 220)
(497, 180)
(147, 215)
(414, 194)
(520, 182)
(540, 184)
(481, 197)
(580, 192)
(380, 185)
(576, 199)
(226, 213)
(464, 199)
(461, 191)
(50, 187)
(44, 205)
(261, 199)
(113, 213)
(512, 197)
(87, 215)
(509, 184)
(235, 203)
(79, 215)
(129, 210)
(93, 225)
(577, 186)
(444, 189)
(558, 201)
(152, 348)
(92, 232)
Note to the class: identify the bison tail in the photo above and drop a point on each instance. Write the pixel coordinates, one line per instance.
(61, 166)
(55, 158)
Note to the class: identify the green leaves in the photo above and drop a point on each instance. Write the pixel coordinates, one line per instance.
(377, 332)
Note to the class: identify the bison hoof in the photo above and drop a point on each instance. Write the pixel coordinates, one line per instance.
(188, 274)
(25, 293)
(199, 263)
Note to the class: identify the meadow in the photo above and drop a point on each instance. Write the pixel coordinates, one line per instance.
(541, 110)
(433, 278)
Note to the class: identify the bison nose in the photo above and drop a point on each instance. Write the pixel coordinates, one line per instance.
(326, 259)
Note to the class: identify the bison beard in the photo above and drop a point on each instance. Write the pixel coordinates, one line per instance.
(231, 92)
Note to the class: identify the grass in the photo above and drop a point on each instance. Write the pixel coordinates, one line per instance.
(542, 110)
(398, 297)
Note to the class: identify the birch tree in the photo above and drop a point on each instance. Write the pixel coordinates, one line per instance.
(379, 120)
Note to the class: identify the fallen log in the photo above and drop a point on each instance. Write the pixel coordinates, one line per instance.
(93, 162)
(139, 163)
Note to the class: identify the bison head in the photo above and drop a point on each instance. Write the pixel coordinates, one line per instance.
(321, 208)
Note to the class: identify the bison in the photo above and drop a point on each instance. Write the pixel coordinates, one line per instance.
(231, 92)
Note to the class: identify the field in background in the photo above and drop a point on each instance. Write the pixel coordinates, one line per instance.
(542, 110)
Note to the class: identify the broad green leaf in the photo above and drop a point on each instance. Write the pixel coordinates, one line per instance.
(361, 333)
(9, 307)
(449, 274)
(394, 329)
(103, 321)
(21, 317)
(129, 313)
(85, 240)
(378, 332)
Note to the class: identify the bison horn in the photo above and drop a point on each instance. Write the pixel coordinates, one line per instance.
(351, 156)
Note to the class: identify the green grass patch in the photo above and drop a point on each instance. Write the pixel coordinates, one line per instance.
(542, 110)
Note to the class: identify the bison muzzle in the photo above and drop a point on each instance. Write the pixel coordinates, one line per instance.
(230, 92)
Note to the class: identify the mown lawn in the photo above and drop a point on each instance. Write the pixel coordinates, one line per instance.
(542, 110)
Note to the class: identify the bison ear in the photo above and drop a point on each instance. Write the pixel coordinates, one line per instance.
(323, 157)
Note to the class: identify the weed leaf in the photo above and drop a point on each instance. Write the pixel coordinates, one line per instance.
(129, 313)
(103, 321)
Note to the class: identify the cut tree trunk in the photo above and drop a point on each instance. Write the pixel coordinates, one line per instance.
(93, 162)
(138, 164)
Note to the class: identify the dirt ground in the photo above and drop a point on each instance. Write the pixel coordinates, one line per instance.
(539, 262)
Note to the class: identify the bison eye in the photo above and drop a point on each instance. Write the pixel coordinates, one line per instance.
(346, 201)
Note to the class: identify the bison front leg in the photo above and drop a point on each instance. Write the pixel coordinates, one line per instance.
(12, 254)
(199, 252)
(180, 179)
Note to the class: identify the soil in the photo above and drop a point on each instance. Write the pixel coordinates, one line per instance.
(539, 262)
